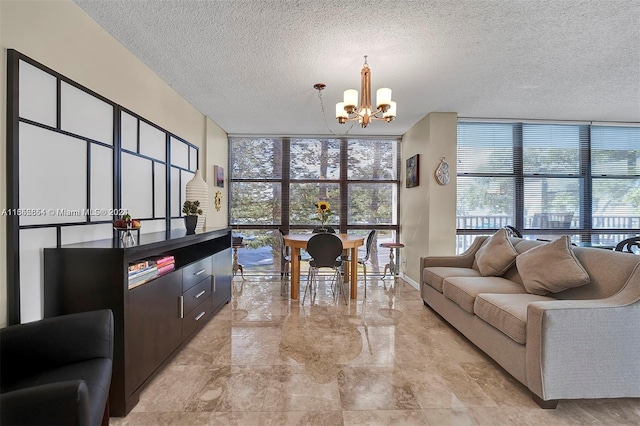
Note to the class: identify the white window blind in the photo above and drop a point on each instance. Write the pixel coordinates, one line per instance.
(549, 179)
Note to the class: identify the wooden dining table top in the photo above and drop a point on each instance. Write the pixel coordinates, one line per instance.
(301, 240)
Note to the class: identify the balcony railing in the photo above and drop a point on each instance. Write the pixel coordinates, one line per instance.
(534, 230)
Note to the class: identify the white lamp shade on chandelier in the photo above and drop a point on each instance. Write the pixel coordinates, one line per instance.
(350, 110)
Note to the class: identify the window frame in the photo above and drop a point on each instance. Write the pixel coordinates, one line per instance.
(585, 231)
(343, 182)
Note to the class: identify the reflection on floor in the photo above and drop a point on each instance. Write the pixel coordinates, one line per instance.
(266, 360)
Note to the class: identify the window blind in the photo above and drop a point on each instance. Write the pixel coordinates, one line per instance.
(550, 179)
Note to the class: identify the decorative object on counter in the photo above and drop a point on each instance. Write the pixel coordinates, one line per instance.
(218, 200)
(324, 212)
(413, 171)
(197, 190)
(218, 172)
(442, 172)
(192, 211)
(125, 225)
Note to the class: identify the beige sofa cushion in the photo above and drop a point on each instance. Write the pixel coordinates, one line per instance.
(463, 290)
(497, 255)
(434, 275)
(551, 268)
(507, 312)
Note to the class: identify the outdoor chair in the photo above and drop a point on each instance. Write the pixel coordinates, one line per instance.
(325, 251)
(629, 245)
(512, 231)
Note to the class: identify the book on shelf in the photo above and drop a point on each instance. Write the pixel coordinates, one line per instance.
(147, 270)
(142, 264)
(141, 279)
(163, 260)
(166, 268)
(149, 274)
(133, 284)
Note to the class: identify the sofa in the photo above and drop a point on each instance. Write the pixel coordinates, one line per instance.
(57, 371)
(576, 338)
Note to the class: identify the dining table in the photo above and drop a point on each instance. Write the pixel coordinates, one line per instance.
(349, 243)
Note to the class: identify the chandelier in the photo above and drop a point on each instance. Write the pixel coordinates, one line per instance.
(349, 110)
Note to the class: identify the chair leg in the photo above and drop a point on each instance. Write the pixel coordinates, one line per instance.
(284, 276)
(364, 270)
(309, 275)
(338, 280)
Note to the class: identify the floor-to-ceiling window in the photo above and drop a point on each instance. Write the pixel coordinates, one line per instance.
(276, 182)
(548, 179)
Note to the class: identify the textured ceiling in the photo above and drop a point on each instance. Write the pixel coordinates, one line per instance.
(251, 65)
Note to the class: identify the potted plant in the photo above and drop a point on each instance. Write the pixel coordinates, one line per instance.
(324, 212)
(192, 210)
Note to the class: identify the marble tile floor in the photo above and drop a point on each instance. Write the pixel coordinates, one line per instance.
(387, 360)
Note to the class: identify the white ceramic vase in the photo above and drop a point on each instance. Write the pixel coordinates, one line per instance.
(197, 190)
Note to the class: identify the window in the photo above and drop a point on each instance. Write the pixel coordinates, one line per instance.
(275, 183)
(486, 182)
(615, 159)
(547, 180)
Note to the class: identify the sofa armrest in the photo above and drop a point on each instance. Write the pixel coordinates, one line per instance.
(464, 260)
(27, 349)
(585, 348)
(61, 403)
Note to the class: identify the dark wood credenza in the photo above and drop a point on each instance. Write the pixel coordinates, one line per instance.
(152, 320)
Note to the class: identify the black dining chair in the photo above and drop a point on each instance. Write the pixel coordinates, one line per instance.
(629, 245)
(285, 262)
(369, 245)
(325, 251)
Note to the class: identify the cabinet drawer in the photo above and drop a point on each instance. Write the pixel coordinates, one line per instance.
(196, 294)
(196, 318)
(194, 273)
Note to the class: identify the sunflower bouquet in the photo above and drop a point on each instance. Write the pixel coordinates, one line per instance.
(324, 211)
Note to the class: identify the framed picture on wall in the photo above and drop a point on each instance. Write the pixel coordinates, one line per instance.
(413, 171)
(219, 172)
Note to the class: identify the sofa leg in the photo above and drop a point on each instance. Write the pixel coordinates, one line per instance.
(105, 416)
(547, 405)
(427, 305)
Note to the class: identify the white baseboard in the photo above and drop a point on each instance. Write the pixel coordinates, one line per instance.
(411, 282)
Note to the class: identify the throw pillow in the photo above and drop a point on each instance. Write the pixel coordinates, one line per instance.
(551, 268)
(497, 255)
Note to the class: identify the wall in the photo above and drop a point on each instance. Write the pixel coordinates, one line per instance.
(217, 153)
(428, 211)
(61, 36)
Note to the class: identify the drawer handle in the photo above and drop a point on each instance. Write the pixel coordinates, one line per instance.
(197, 296)
(201, 271)
(181, 306)
(199, 316)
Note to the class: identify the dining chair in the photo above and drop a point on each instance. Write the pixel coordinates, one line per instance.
(325, 251)
(369, 245)
(285, 262)
(629, 245)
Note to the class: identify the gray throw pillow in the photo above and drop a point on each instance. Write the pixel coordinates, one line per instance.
(496, 256)
(551, 268)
